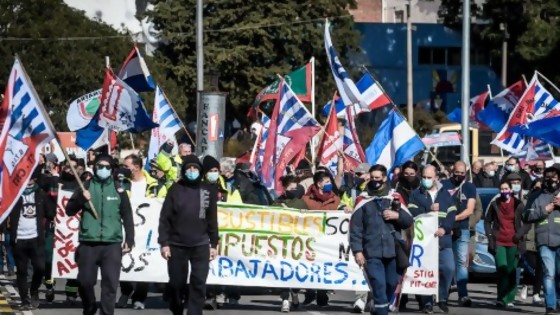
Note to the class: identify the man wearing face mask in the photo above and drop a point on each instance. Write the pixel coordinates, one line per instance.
(375, 229)
(513, 166)
(544, 210)
(27, 234)
(516, 188)
(464, 197)
(431, 196)
(101, 239)
(188, 236)
(487, 178)
(537, 170)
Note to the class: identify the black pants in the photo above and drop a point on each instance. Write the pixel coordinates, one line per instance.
(321, 296)
(140, 290)
(90, 257)
(25, 251)
(177, 268)
(534, 262)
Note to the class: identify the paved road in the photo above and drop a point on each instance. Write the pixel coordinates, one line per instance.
(483, 297)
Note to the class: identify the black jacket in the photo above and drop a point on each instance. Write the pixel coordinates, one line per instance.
(46, 210)
(481, 180)
(251, 189)
(189, 216)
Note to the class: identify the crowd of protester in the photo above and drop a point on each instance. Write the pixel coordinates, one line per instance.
(521, 223)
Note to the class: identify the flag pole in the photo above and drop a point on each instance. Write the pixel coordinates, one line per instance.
(131, 142)
(51, 126)
(108, 65)
(177, 115)
(501, 150)
(547, 80)
(313, 140)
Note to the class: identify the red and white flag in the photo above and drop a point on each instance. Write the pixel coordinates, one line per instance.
(353, 151)
(331, 143)
(25, 130)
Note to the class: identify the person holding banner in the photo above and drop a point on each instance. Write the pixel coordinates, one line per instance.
(27, 234)
(375, 235)
(506, 233)
(101, 238)
(431, 196)
(188, 236)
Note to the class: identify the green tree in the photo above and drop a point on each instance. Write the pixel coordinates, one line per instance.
(60, 70)
(249, 42)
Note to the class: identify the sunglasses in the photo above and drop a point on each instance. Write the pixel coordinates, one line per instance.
(103, 166)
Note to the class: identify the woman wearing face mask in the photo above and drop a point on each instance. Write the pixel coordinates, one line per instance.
(212, 176)
(506, 234)
(188, 232)
(408, 180)
(320, 195)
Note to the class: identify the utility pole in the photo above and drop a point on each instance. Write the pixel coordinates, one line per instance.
(466, 80)
(503, 27)
(409, 83)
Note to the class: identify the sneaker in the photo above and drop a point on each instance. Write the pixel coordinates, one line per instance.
(465, 301)
(537, 299)
(550, 311)
(123, 301)
(211, 305)
(443, 307)
(233, 301)
(71, 299)
(523, 293)
(49, 295)
(35, 299)
(308, 301)
(510, 305)
(285, 306)
(26, 307)
(295, 300)
(220, 299)
(500, 304)
(428, 309)
(359, 306)
(139, 305)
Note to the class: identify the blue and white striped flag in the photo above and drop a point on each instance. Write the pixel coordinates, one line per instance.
(394, 143)
(168, 122)
(347, 89)
(135, 73)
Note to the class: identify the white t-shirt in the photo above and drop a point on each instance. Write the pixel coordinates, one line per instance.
(138, 189)
(27, 227)
(433, 194)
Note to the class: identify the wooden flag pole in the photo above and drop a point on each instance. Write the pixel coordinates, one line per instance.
(51, 126)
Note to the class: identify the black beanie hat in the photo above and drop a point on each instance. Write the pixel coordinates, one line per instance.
(209, 163)
(106, 158)
(191, 160)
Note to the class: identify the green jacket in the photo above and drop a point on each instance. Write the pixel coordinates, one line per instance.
(112, 206)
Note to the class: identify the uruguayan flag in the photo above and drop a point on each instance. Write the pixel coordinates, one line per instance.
(347, 89)
(394, 143)
(169, 124)
(135, 73)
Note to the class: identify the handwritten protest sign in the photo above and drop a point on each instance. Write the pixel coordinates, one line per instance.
(422, 277)
(259, 246)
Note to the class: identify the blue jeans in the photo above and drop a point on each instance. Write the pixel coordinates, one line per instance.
(446, 273)
(551, 270)
(461, 252)
(383, 277)
(8, 254)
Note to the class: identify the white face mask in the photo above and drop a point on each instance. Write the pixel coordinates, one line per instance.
(516, 188)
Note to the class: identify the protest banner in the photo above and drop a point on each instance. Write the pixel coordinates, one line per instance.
(259, 246)
(422, 276)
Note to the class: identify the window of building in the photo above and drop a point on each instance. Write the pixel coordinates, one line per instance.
(438, 56)
(450, 56)
(454, 56)
(424, 56)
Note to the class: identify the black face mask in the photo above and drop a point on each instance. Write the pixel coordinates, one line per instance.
(358, 181)
(67, 176)
(550, 185)
(374, 185)
(458, 179)
(410, 181)
(295, 193)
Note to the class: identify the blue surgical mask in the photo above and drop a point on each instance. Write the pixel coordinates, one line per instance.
(212, 176)
(511, 168)
(427, 183)
(192, 175)
(103, 173)
(327, 188)
(516, 188)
